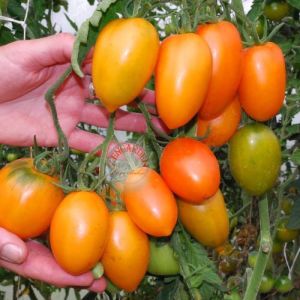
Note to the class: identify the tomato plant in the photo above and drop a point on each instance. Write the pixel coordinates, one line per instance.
(28, 198)
(255, 158)
(276, 10)
(125, 48)
(190, 169)
(163, 260)
(263, 83)
(146, 194)
(182, 76)
(225, 43)
(207, 222)
(220, 129)
(78, 231)
(126, 255)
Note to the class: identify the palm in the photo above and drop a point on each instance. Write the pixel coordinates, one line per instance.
(31, 113)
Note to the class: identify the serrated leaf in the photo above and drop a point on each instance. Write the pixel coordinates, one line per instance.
(238, 6)
(71, 22)
(294, 3)
(294, 220)
(256, 10)
(296, 157)
(198, 271)
(106, 11)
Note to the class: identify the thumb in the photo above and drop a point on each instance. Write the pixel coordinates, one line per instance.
(12, 248)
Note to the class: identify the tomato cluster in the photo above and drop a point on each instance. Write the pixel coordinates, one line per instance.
(190, 85)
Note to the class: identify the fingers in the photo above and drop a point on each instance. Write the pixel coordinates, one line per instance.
(98, 286)
(135, 122)
(52, 50)
(41, 265)
(12, 248)
(84, 141)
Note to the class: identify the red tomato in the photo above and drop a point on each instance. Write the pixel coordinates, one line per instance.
(126, 255)
(225, 44)
(78, 231)
(124, 59)
(190, 169)
(207, 222)
(181, 78)
(221, 128)
(263, 83)
(28, 198)
(149, 202)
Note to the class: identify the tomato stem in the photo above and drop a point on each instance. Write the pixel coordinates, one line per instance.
(263, 253)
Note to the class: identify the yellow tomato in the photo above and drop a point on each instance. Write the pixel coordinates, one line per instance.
(123, 61)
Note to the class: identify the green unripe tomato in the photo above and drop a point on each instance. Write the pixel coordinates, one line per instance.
(163, 260)
(252, 258)
(283, 284)
(285, 234)
(277, 10)
(267, 284)
(287, 205)
(255, 158)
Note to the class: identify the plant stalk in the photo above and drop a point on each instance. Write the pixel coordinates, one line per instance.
(263, 253)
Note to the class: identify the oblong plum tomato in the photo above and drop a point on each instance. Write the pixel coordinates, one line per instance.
(182, 77)
(254, 158)
(207, 222)
(225, 44)
(263, 83)
(28, 198)
(149, 202)
(126, 255)
(124, 59)
(78, 231)
(220, 129)
(163, 259)
(190, 169)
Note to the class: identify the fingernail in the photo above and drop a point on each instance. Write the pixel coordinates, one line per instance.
(11, 253)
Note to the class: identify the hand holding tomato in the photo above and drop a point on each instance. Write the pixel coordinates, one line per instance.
(28, 69)
(33, 260)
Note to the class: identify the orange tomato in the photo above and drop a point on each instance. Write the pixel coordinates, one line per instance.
(28, 198)
(78, 231)
(181, 78)
(126, 255)
(124, 59)
(262, 88)
(190, 169)
(149, 202)
(221, 128)
(225, 44)
(207, 222)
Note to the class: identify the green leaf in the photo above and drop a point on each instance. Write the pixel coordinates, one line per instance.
(198, 271)
(106, 11)
(294, 220)
(71, 22)
(256, 10)
(296, 157)
(293, 129)
(6, 36)
(238, 6)
(294, 3)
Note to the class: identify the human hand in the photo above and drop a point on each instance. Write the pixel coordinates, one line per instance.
(28, 69)
(33, 260)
